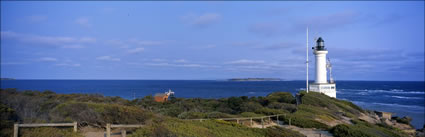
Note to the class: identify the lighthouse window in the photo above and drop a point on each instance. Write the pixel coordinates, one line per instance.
(332, 87)
(326, 87)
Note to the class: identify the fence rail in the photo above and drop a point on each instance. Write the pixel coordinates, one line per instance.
(17, 126)
(123, 131)
(248, 118)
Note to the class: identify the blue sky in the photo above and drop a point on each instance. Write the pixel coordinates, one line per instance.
(209, 40)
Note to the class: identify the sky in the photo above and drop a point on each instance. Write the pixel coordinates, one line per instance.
(210, 40)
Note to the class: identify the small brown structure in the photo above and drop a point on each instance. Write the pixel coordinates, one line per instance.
(382, 114)
(163, 97)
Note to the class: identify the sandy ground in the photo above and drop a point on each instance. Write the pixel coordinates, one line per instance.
(96, 132)
(309, 132)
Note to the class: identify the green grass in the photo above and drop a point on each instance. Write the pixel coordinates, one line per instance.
(208, 128)
(364, 129)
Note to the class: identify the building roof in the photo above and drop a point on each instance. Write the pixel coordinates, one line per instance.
(320, 40)
(160, 94)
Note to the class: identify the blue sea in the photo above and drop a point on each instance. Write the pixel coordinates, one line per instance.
(402, 98)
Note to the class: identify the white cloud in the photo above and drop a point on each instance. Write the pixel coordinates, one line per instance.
(69, 64)
(13, 63)
(164, 64)
(159, 60)
(75, 46)
(180, 61)
(202, 20)
(48, 59)
(83, 21)
(108, 58)
(245, 62)
(136, 50)
(60, 41)
(148, 43)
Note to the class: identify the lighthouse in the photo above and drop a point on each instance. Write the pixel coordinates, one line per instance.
(322, 64)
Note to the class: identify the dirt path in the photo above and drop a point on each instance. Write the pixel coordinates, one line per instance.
(309, 132)
(98, 132)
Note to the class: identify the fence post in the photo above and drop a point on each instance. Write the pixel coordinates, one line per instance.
(269, 119)
(237, 121)
(289, 121)
(15, 130)
(123, 133)
(277, 119)
(251, 121)
(75, 126)
(262, 122)
(108, 130)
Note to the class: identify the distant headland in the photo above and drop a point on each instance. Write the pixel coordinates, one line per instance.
(7, 79)
(255, 79)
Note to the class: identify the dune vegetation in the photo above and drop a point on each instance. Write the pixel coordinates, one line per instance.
(318, 111)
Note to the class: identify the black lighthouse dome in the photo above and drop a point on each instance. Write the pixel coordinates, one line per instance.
(320, 44)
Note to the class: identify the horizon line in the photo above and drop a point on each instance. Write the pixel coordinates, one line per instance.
(220, 79)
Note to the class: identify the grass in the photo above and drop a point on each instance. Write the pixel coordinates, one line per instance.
(208, 128)
(364, 129)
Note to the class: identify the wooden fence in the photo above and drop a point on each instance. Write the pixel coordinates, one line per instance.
(123, 131)
(249, 118)
(17, 126)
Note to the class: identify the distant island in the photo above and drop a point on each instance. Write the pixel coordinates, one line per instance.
(255, 79)
(7, 79)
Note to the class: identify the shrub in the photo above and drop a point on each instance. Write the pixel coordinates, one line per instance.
(303, 122)
(99, 114)
(284, 106)
(343, 130)
(250, 114)
(268, 111)
(282, 97)
(361, 128)
(209, 128)
(250, 106)
(218, 115)
(192, 115)
(404, 120)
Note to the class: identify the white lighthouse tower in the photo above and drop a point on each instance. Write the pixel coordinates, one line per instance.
(321, 84)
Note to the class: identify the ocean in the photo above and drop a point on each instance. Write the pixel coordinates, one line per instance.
(401, 98)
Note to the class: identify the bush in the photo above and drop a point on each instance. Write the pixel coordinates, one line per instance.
(218, 115)
(282, 97)
(343, 130)
(268, 111)
(208, 128)
(304, 122)
(192, 115)
(404, 120)
(284, 106)
(364, 129)
(7, 118)
(99, 114)
(250, 114)
(250, 106)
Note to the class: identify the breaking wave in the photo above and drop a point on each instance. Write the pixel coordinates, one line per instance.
(415, 107)
(394, 91)
(403, 97)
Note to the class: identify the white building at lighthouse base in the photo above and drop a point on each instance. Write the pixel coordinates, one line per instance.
(328, 89)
